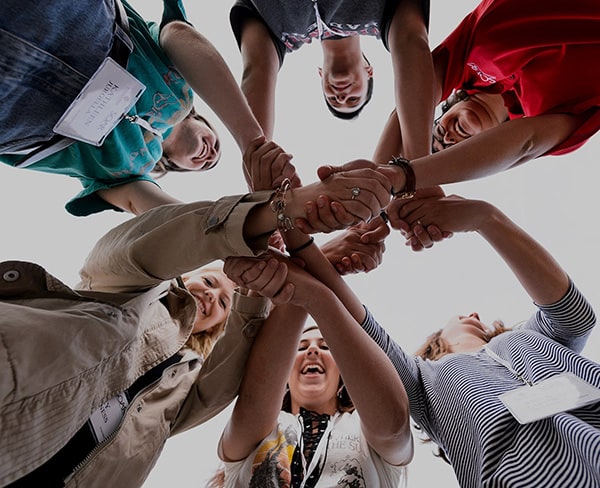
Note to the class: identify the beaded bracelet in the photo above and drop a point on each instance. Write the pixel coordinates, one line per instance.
(284, 223)
(302, 246)
(409, 176)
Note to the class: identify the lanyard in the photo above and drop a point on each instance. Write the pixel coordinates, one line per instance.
(319, 453)
(134, 119)
(507, 365)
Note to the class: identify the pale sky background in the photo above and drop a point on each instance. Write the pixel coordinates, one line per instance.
(411, 294)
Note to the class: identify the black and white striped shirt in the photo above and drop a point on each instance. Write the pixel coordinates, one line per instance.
(455, 401)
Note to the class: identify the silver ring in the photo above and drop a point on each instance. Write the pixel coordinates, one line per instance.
(355, 192)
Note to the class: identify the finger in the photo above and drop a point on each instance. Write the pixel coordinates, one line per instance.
(435, 233)
(253, 146)
(423, 236)
(341, 215)
(377, 234)
(284, 295)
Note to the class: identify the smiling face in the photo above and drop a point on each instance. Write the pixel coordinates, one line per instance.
(192, 145)
(315, 378)
(213, 293)
(467, 118)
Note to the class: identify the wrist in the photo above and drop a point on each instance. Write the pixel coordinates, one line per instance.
(408, 184)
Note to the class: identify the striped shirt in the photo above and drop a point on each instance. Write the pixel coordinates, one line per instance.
(455, 401)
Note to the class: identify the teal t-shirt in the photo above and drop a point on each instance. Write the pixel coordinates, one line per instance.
(129, 152)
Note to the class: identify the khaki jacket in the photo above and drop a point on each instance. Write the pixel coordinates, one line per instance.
(64, 352)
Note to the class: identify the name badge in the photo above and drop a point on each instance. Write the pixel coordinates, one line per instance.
(106, 419)
(101, 104)
(560, 393)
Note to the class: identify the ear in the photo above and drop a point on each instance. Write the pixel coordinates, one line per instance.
(370, 71)
(320, 70)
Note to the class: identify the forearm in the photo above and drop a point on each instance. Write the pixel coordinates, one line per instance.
(371, 380)
(319, 266)
(136, 197)
(390, 141)
(494, 150)
(265, 378)
(260, 69)
(209, 76)
(537, 271)
(414, 88)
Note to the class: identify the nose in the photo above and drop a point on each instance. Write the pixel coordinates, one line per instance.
(312, 349)
(210, 295)
(449, 138)
(474, 315)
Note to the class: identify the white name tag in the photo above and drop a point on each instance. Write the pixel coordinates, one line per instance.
(560, 393)
(101, 104)
(106, 419)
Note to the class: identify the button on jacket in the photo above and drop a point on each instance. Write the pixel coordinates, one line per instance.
(64, 352)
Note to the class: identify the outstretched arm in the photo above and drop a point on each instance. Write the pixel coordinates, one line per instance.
(269, 363)
(260, 68)
(413, 79)
(209, 76)
(339, 313)
(136, 197)
(539, 273)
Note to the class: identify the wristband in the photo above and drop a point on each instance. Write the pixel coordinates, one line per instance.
(410, 184)
(301, 247)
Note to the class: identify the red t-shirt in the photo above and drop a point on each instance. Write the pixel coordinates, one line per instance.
(543, 56)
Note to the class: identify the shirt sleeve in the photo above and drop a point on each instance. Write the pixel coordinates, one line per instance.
(221, 374)
(406, 366)
(568, 321)
(170, 240)
(243, 10)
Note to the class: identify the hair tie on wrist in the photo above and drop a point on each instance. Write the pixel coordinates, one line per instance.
(301, 247)
(410, 184)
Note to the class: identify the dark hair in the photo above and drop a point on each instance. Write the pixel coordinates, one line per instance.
(354, 114)
(164, 165)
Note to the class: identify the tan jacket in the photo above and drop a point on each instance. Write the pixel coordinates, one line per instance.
(64, 352)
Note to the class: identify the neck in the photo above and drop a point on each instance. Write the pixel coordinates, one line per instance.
(329, 407)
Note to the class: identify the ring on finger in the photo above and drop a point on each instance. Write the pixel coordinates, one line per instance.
(355, 191)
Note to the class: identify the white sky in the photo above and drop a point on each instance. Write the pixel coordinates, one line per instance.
(411, 294)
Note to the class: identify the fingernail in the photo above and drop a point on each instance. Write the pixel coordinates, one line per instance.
(308, 208)
(321, 202)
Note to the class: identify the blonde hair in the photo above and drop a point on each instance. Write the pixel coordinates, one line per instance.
(203, 342)
(436, 347)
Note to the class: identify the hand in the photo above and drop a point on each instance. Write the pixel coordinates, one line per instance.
(450, 213)
(418, 236)
(392, 173)
(361, 193)
(273, 275)
(358, 248)
(265, 275)
(266, 165)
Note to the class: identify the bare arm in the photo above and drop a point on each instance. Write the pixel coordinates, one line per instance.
(537, 271)
(209, 76)
(494, 150)
(266, 373)
(372, 381)
(136, 197)
(260, 69)
(413, 77)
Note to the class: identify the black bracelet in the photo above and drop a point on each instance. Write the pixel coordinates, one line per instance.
(409, 177)
(301, 247)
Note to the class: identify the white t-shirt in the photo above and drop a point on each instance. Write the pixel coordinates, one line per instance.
(349, 460)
